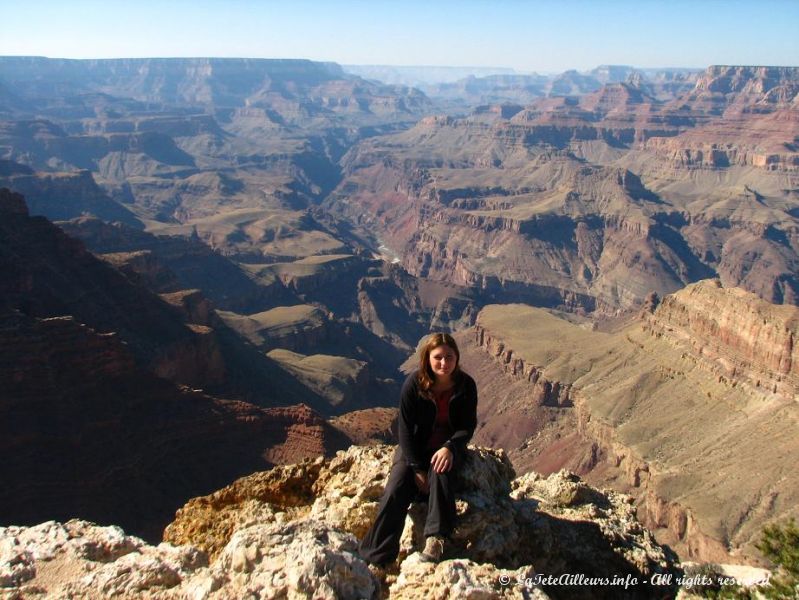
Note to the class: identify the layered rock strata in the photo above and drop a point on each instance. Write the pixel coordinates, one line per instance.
(101, 403)
(739, 337)
(588, 204)
(692, 409)
(96, 437)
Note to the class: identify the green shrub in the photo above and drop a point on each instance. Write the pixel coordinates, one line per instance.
(780, 544)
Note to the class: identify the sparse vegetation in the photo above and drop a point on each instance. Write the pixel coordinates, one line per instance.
(779, 544)
(704, 580)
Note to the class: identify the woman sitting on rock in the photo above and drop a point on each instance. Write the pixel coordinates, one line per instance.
(437, 417)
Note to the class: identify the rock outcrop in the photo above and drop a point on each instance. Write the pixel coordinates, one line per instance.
(62, 196)
(292, 532)
(738, 336)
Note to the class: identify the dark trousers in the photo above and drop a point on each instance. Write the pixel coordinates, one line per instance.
(381, 543)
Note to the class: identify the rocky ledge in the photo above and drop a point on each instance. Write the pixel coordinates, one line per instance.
(291, 532)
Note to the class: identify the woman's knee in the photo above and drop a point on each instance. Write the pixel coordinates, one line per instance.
(445, 478)
(400, 482)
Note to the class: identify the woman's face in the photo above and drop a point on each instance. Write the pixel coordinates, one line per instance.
(443, 361)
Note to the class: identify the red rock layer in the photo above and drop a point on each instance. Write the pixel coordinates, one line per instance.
(94, 437)
(736, 334)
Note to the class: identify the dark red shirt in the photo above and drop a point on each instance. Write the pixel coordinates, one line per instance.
(441, 430)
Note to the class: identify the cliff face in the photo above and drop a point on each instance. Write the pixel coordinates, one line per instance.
(735, 334)
(752, 120)
(96, 437)
(66, 196)
(747, 139)
(736, 88)
(97, 404)
(648, 409)
(291, 532)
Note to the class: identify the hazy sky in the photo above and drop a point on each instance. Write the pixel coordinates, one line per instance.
(527, 36)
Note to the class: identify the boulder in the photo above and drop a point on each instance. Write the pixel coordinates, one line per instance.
(292, 532)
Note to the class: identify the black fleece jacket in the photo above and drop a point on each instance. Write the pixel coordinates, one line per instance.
(417, 417)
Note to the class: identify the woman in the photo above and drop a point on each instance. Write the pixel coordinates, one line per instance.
(437, 417)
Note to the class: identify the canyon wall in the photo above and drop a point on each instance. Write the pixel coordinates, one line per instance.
(734, 334)
(691, 403)
(94, 436)
(589, 203)
(107, 400)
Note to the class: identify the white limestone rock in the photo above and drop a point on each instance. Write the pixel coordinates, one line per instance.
(302, 559)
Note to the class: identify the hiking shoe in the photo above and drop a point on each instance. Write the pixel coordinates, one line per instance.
(433, 548)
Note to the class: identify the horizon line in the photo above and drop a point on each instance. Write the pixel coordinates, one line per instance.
(396, 66)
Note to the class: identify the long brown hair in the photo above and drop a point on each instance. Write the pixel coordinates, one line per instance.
(433, 341)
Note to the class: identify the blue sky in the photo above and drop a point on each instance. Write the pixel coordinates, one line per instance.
(527, 36)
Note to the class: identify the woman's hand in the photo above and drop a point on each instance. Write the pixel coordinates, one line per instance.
(442, 460)
(421, 482)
